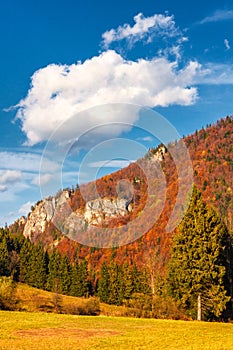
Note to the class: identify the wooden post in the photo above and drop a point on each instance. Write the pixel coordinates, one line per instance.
(199, 307)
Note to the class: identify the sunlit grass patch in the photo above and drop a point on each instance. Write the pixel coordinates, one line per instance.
(40, 331)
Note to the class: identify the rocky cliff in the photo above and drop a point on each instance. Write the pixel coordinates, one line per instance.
(68, 219)
(57, 210)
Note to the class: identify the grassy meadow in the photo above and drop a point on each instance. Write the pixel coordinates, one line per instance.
(40, 331)
(32, 328)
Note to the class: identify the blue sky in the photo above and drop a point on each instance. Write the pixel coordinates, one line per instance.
(62, 60)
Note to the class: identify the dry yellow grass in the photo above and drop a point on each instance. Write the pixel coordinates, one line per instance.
(34, 300)
(37, 300)
(42, 331)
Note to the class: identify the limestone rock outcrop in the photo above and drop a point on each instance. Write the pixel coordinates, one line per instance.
(57, 210)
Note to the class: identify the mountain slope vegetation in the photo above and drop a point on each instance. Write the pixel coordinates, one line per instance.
(211, 154)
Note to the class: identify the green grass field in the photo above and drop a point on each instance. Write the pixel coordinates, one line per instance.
(40, 331)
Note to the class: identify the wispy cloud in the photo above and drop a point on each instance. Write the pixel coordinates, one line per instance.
(25, 208)
(10, 176)
(14, 162)
(41, 179)
(8, 179)
(215, 74)
(114, 163)
(144, 28)
(3, 188)
(217, 16)
(227, 44)
(145, 139)
(19, 171)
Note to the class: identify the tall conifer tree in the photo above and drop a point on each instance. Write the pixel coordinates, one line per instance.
(104, 284)
(4, 258)
(198, 263)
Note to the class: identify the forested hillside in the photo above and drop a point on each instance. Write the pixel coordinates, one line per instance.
(147, 266)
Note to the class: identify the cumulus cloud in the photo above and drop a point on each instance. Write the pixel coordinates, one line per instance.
(10, 176)
(227, 44)
(144, 27)
(59, 92)
(217, 16)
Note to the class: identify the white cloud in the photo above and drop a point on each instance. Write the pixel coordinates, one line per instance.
(217, 16)
(10, 176)
(115, 163)
(146, 139)
(42, 179)
(25, 208)
(10, 193)
(23, 161)
(70, 177)
(3, 188)
(58, 92)
(227, 44)
(215, 74)
(144, 27)
(19, 171)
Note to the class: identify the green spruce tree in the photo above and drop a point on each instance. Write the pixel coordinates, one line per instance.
(83, 290)
(54, 275)
(74, 279)
(198, 263)
(65, 273)
(116, 295)
(4, 257)
(25, 254)
(104, 284)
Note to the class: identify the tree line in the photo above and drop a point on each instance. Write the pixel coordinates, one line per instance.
(31, 264)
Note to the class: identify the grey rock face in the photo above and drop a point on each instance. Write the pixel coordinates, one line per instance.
(95, 212)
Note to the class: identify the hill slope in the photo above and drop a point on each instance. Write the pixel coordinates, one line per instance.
(211, 153)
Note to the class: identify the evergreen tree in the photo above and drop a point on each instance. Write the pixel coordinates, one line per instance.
(83, 279)
(79, 279)
(54, 275)
(136, 287)
(25, 254)
(116, 294)
(38, 267)
(143, 282)
(104, 284)
(198, 262)
(65, 273)
(4, 257)
(129, 281)
(74, 279)
(33, 265)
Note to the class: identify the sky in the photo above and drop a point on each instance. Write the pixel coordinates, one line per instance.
(76, 77)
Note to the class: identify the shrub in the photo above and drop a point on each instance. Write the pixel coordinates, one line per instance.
(57, 303)
(167, 308)
(90, 307)
(163, 307)
(8, 298)
(141, 303)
